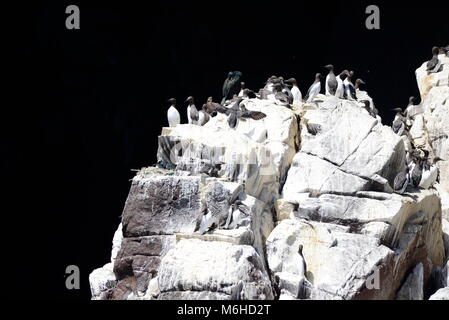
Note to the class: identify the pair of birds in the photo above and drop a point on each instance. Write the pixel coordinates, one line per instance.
(340, 85)
(420, 172)
(193, 115)
(404, 117)
(434, 65)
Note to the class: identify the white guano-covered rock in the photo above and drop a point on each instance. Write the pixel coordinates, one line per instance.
(256, 153)
(233, 270)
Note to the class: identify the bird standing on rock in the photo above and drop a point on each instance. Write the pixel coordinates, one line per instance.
(192, 112)
(340, 92)
(231, 86)
(331, 81)
(398, 125)
(297, 95)
(314, 89)
(173, 116)
(401, 181)
(434, 64)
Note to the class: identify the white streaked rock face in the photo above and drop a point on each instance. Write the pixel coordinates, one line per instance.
(233, 270)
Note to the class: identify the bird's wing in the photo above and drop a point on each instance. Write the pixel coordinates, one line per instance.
(399, 180)
(222, 109)
(256, 115)
(333, 84)
(226, 87)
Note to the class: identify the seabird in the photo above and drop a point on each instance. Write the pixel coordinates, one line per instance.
(282, 96)
(416, 173)
(398, 125)
(231, 85)
(237, 111)
(204, 116)
(248, 94)
(211, 107)
(401, 181)
(297, 95)
(192, 112)
(242, 88)
(367, 107)
(349, 88)
(314, 89)
(331, 81)
(358, 83)
(173, 116)
(238, 212)
(434, 64)
(340, 92)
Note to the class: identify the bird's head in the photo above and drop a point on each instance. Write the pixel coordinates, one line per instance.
(435, 50)
(291, 81)
(189, 99)
(411, 101)
(359, 82)
(329, 67)
(209, 100)
(242, 85)
(318, 76)
(172, 101)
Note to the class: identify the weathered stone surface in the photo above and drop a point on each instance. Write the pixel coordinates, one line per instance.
(316, 176)
(101, 280)
(193, 295)
(195, 265)
(161, 205)
(413, 288)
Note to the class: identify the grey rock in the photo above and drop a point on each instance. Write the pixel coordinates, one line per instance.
(413, 288)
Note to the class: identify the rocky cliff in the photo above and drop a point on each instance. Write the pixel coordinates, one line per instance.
(298, 205)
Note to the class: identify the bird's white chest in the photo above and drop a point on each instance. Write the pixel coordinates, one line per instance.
(296, 93)
(173, 116)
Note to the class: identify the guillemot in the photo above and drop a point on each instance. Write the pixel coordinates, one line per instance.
(173, 116)
(297, 95)
(331, 81)
(314, 89)
(192, 112)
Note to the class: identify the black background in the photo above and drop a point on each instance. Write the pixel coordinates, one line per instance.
(94, 99)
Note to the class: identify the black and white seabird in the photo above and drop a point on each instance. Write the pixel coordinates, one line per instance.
(204, 116)
(282, 95)
(231, 86)
(401, 181)
(434, 64)
(331, 81)
(314, 89)
(416, 173)
(367, 107)
(349, 88)
(297, 95)
(237, 112)
(192, 112)
(242, 88)
(340, 92)
(173, 116)
(398, 125)
(358, 83)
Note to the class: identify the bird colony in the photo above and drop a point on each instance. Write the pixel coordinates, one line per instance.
(272, 194)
